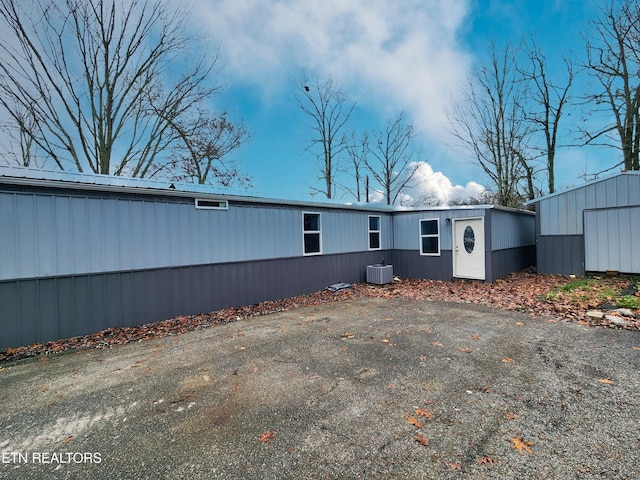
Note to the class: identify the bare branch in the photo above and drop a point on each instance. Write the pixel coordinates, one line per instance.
(94, 75)
(329, 109)
(392, 157)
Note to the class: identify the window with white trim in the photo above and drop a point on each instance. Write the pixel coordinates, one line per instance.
(311, 233)
(374, 233)
(430, 237)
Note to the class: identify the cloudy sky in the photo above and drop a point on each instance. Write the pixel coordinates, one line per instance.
(406, 55)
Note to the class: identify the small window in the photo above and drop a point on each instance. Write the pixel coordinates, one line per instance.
(201, 203)
(429, 237)
(374, 233)
(312, 243)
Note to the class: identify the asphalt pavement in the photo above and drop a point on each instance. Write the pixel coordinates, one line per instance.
(364, 388)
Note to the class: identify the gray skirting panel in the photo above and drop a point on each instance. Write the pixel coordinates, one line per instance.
(560, 254)
(410, 264)
(500, 263)
(40, 310)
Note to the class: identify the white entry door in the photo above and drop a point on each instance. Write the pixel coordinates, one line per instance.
(468, 248)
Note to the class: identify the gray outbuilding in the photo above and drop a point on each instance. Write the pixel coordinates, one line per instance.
(591, 228)
(84, 253)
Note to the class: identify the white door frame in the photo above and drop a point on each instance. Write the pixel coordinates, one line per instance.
(477, 269)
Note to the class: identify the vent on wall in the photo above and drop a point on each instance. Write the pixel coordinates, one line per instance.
(201, 203)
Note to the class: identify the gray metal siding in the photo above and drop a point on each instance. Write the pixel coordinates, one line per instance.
(349, 231)
(560, 254)
(610, 238)
(562, 213)
(40, 310)
(511, 230)
(406, 226)
(54, 235)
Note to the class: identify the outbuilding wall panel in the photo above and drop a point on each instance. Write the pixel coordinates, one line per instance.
(562, 213)
(610, 238)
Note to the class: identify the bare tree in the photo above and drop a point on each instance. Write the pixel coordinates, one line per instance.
(613, 51)
(102, 80)
(490, 123)
(487, 197)
(392, 157)
(429, 199)
(18, 146)
(356, 148)
(548, 101)
(329, 109)
(206, 141)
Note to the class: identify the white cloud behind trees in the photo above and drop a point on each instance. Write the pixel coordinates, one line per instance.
(390, 56)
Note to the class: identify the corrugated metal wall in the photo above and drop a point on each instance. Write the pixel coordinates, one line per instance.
(561, 220)
(560, 254)
(611, 239)
(511, 229)
(561, 213)
(39, 310)
(406, 226)
(77, 261)
(52, 235)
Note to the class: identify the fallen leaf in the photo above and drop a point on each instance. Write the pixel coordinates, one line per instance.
(475, 337)
(348, 335)
(67, 440)
(267, 436)
(486, 461)
(519, 324)
(511, 416)
(437, 344)
(421, 439)
(521, 444)
(414, 421)
(507, 359)
(423, 413)
(454, 466)
(636, 348)
(606, 380)
(464, 349)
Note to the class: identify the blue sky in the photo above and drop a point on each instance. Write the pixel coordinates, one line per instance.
(406, 55)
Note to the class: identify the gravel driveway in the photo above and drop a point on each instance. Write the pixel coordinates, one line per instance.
(364, 388)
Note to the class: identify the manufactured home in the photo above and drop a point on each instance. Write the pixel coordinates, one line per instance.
(590, 228)
(84, 253)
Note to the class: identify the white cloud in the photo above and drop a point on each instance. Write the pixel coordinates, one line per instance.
(401, 55)
(435, 185)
